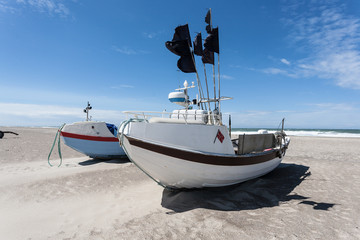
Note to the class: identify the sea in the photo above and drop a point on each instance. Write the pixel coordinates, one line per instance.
(346, 133)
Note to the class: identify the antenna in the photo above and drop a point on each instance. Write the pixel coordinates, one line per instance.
(86, 110)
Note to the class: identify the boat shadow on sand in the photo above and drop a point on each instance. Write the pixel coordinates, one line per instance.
(266, 191)
(92, 161)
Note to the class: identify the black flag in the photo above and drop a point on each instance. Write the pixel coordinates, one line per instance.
(207, 57)
(208, 21)
(186, 64)
(198, 45)
(182, 33)
(208, 17)
(181, 42)
(180, 45)
(208, 29)
(179, 48)
(212, 41)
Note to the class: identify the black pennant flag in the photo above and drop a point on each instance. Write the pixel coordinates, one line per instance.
(198, 45)
(208, 57)
(180, 45)
(208, 21)
(179, 48)
(208, 29)
(186, 64)
(181, 42)
(182, 33)
(208, 17)
(212, 41)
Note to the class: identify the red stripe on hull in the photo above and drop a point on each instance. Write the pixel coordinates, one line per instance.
(87, 137)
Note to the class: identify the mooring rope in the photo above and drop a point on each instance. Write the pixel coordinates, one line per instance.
(57, 136)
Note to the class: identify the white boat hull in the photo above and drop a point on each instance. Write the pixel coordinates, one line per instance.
(92, 139)
(177, 164)
(175, 172)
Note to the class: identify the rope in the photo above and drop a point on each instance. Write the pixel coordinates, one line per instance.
(10, 132)
(121, 140)
(57, 136)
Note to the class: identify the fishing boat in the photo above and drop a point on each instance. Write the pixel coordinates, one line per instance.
(192, 148)
(92, 138)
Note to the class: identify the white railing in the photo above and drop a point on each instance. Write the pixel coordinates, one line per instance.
(206, 118)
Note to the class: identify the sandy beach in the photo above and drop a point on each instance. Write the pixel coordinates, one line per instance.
(313, 194)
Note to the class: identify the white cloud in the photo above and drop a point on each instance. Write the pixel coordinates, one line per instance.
(343, 67)
(48, 6)
(19, 114)
(283, 60)
(4, 7)
(277, 71)
(150, 35)
(315, 115)
(54, 107)
(35, 110)
(128, 51)
(274, 71)
(122, 86)
(52, 7)
(261, 119)
(331, 39)
(223, 76)
(334, 106)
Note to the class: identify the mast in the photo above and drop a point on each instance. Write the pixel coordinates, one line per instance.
(207, 88)
(201, 93)
(86, 110)
(197, 75)
(198, 50)
(211, 45)
(213, 67)
(219, 79)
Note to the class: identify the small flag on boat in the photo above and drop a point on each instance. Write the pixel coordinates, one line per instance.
(219, 136)
(186, 64)
(208, 17)
(212, 41)
(181, 42)
(208, 57)
(182, 33)
(198, 45)
(208, 21)
(181, 46)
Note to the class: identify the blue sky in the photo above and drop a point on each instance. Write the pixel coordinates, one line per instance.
(294, 59)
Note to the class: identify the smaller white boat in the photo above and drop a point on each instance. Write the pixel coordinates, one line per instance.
(92, 138)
